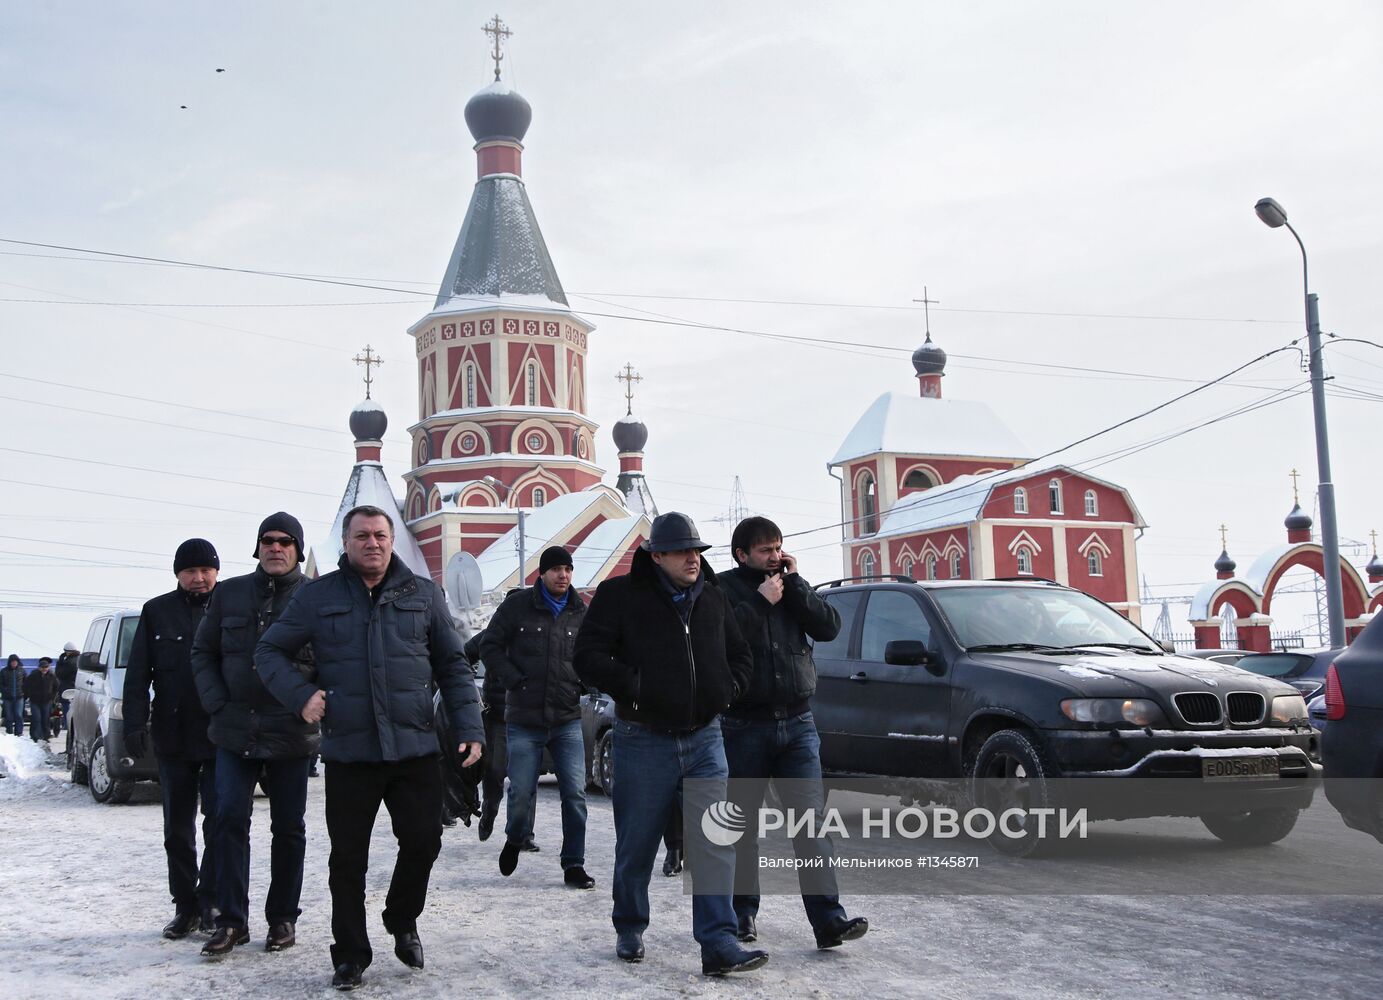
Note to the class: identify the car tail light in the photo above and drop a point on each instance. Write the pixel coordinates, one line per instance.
(1334, 695)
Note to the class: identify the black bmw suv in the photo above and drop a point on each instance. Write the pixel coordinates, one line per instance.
(944, 684)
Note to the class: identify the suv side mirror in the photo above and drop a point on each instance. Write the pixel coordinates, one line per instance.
(91, 662)
(906, 652)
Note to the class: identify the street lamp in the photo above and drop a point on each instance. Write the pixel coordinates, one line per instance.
(1274, 216)
(508, 491)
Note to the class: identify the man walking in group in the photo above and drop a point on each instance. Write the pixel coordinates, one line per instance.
(161, 656)
(258, 740)
(12, 690)
(41, 688)
(66, 670)
(663, 643)
(769, 730)
(527, 647)
(382, 637)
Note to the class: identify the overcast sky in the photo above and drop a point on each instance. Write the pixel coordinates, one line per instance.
(1074, 182)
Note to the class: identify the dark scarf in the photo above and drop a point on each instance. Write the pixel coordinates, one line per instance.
(683, 598)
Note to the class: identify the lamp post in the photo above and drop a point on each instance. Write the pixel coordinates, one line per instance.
(1274, 217)
(508, 491)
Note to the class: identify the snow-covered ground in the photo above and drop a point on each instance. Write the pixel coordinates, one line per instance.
(86, 898)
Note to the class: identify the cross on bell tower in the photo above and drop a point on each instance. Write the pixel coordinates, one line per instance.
(369, 360)
(1295, 474)
(498, 31)
(927, 303)
(628, 376)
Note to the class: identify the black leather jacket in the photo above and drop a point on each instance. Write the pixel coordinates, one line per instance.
(161, 656)
(528, 652)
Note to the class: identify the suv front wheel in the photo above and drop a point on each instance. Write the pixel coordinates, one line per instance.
(1011, 772)
(104, 788)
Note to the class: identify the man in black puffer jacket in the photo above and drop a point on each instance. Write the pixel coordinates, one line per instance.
(663, 643)
(161, 656)
(257, 740)
(528, 648)
(383, 637)
(770, 731)
(41, 688)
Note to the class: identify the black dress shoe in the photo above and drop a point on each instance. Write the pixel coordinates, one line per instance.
(223, 942)
(672, 862)
(840, 930)
(577, 878)
(739, 960)
(208, 923)
(629, 946)
(180, 926)
(487, 823)
(281, 935)
(747, 930)
(528, 847)
(408, 949)
(347, 976)
(509, 858)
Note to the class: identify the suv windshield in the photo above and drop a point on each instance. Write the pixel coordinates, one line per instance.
(1050, 617)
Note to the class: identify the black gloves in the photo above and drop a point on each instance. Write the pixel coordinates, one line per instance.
(136, 743)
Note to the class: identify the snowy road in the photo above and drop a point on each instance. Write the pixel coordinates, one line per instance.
(87, 924)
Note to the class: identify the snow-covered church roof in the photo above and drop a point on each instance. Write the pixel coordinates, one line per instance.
(369, 485)
(901, 423)
(500, 253)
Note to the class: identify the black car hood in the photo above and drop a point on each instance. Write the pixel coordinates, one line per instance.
(1096, 673)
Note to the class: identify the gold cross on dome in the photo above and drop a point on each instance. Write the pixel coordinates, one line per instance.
(927, 303)
(1294, 474)
(369, 359)
(497, 30)
(1373, 536)
(628, 376)
(1224, 543)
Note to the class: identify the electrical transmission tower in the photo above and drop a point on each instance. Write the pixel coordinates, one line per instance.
(738, 509)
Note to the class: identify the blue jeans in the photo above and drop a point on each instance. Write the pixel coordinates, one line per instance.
(568, 751)
(648, 765)
(14, 716)
(790, 748)
(286, 783)
(182, 783)
(40, 716)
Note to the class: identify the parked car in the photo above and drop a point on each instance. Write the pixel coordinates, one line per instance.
(1303, 669)
(1318, 712)
(970, 680)
(597, 730)
(1225, 656)
(95, 736)
(1352, 743)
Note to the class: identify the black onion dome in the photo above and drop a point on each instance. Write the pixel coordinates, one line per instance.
(1225, 564)
(498, 112)
(1298, 519)
(368, 422)
(629, 433)
(1375, 566)
(929, 359)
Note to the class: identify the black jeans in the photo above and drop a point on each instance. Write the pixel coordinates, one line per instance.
(412, 792)
(496, 760)
(182, 783)
(285, 781)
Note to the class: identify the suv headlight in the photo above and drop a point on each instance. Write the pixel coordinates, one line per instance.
(1289, 708)
(1134, 711)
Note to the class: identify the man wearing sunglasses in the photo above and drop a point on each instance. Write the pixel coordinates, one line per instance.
(257, 740)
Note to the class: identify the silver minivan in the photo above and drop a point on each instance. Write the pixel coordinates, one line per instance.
(95, 735)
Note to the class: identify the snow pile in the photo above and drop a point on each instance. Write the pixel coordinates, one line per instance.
(24, 765)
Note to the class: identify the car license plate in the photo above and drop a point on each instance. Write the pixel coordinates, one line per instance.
(1240, 768)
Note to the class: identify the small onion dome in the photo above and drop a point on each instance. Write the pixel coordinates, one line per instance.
(368, 422)
(498, 112)
(1225, 564)
(629, 433)
(929, 359)
(1375, 566)
(1298, 519)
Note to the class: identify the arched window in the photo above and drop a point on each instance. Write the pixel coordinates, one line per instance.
(1092, 504)
(532, 396)
(470, 385)
(1025, 561)
(931, 567)
(1095, 563)
(1054, 495)
(955, 565)
(917, 479)
(539, 496)
(1020, 500)
(907, 567)
(869, 505)
(867, 564)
